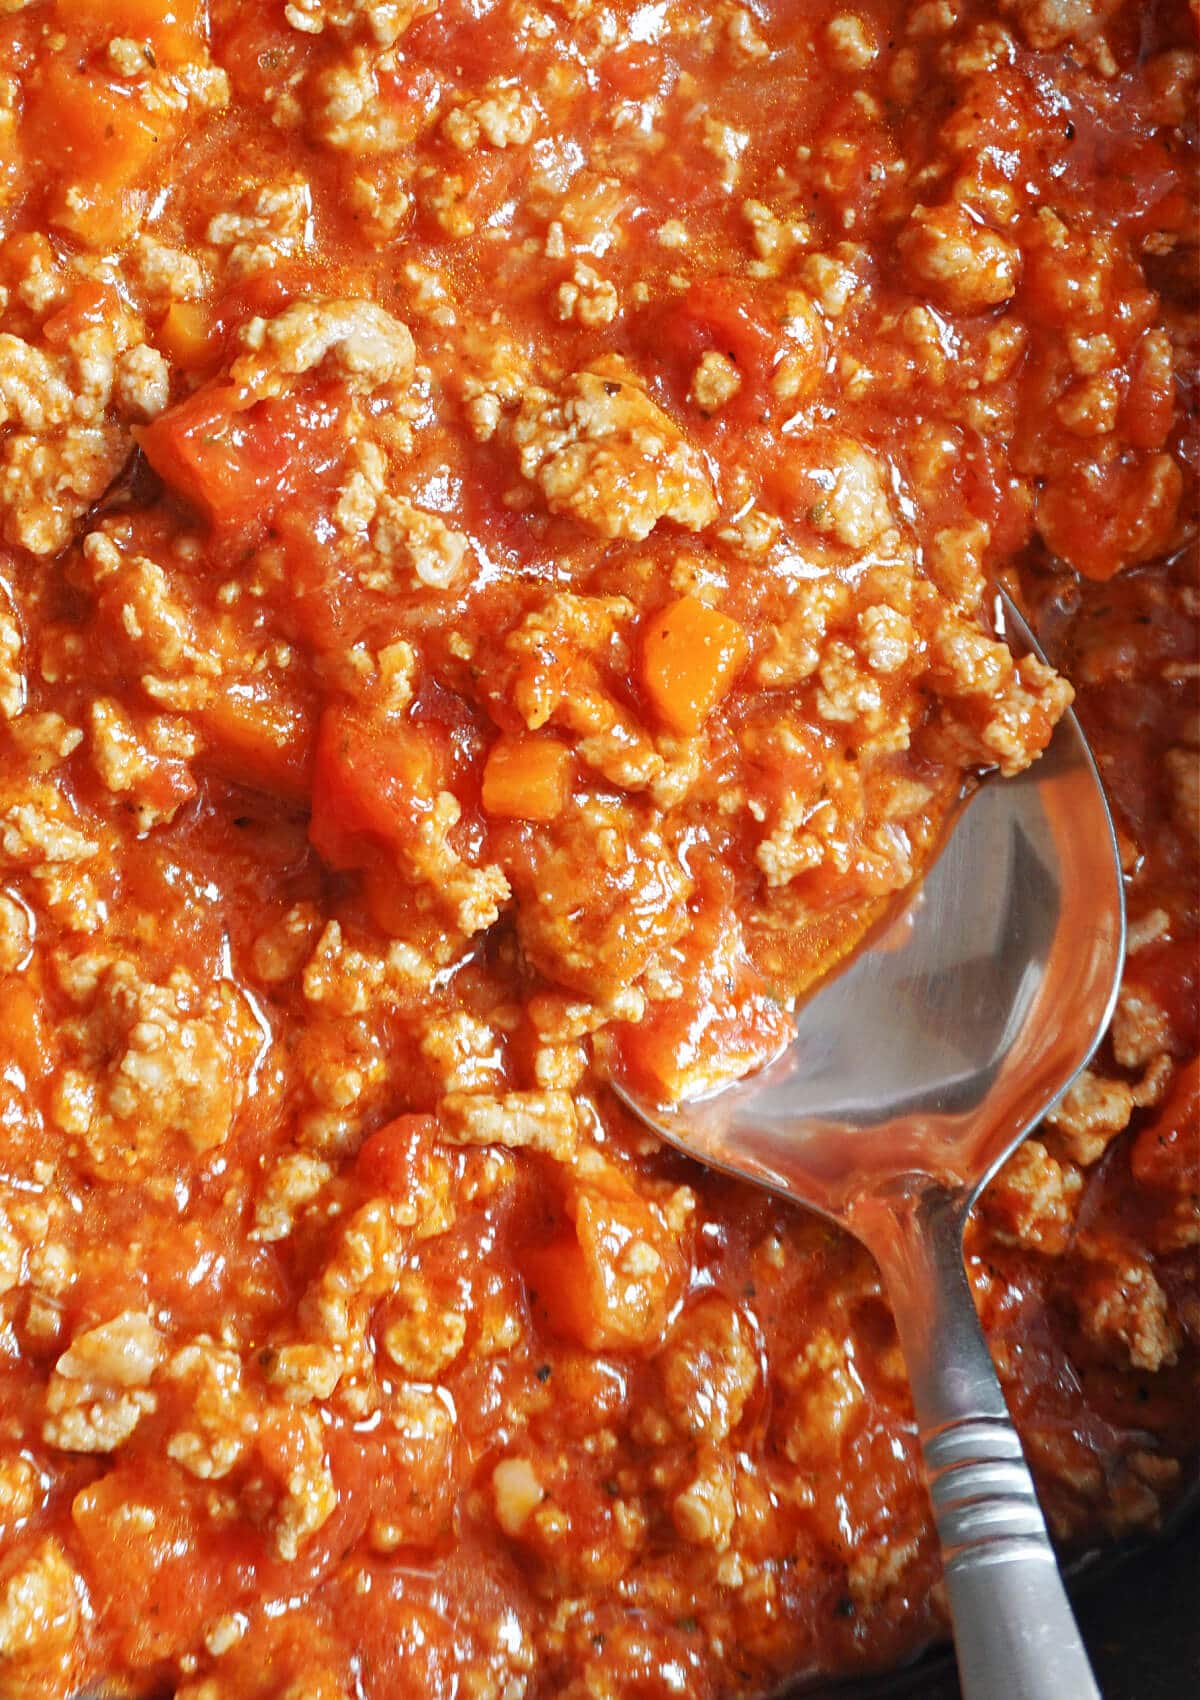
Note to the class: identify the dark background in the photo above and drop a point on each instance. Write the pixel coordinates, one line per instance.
(1140, 1616)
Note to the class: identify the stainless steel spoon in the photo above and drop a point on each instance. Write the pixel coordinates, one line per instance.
(912, 1076)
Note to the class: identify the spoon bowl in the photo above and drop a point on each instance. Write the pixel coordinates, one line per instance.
(912, 1075)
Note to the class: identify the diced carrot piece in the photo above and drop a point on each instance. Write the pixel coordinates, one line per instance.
(691, 655)
(173, 28)
(526, 778)
(187, 335)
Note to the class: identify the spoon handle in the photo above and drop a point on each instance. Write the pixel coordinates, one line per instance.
(1014, 1632)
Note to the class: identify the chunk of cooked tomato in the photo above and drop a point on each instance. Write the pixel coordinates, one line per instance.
(240, 464)
(259, 735)
(174, 29)
(1166, 1152)
(720, 315)
(95, 141)
(610, 1280)
(391, 1159)
(725, 314)
(155, 1555)
(371, 785)
(727, 1023)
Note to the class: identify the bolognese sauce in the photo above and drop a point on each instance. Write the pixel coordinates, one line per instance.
(501, 502)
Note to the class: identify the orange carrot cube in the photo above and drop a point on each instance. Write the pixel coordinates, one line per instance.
(186, 335)
(691, 654)
(526, 778)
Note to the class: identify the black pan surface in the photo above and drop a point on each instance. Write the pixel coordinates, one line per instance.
(1140, 1616)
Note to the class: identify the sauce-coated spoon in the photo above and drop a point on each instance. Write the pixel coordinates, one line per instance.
(912, 1075)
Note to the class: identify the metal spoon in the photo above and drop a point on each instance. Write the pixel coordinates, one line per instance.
(912, 1076)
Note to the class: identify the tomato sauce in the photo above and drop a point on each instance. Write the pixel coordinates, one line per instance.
(499, 510)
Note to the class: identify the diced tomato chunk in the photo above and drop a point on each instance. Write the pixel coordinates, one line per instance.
(96, 140)
(639, 70)
(726, 1024)
(1148, 411)
(239, 464)
(369, 786)
(27, 251)
(610, 1283)
(257, 53)
(720, 315)
(388, 1161)
(409, 91)
(166, 784)
(258, 736)
(724, 312)
(261, 295)
(174, 28)
(91, 304)
(407, 1477)
(1167, 1152)
(155, 1556)
(27, 1045)
(1101, 517)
